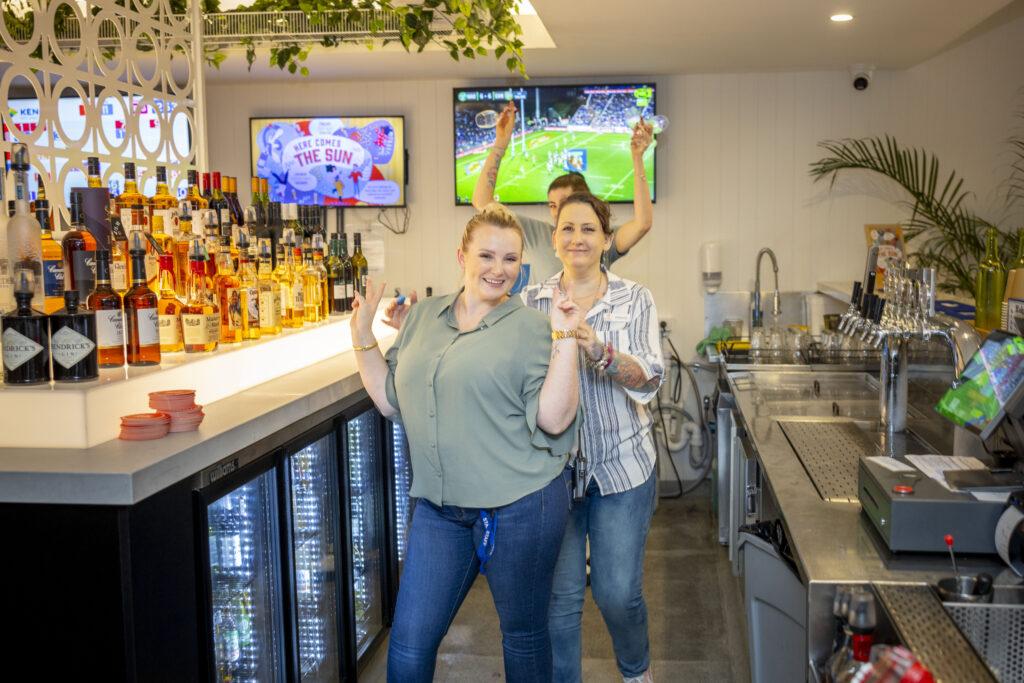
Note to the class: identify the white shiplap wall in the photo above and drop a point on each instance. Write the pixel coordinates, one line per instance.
(732, 166)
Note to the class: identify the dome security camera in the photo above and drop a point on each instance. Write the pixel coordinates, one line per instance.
(860, 76)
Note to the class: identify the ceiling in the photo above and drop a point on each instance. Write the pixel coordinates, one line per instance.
(654, 37)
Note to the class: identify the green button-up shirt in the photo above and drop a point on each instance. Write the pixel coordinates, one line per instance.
(469, 402)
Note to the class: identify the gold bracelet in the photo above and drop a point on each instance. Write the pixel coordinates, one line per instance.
(364, 348)
(562, 334)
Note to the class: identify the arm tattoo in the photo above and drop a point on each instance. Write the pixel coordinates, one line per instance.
(627, 372)
(492, 174)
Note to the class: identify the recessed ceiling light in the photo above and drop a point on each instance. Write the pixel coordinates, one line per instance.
(841, 17)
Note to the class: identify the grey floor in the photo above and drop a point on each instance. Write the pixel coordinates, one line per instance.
(695, 612)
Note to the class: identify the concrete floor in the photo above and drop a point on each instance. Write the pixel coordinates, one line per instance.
(695, 612)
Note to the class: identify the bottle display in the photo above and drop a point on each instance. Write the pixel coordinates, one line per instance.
(229, 296)
(73, 342)
(163, 202)
(131, 197)
(248, 286)
(359, 266)
(169, 308)
(311, 289)
(200, 319)
(24, 235)
(105, 303)
(142, 320)
(53, 261)
(991, 283)
(25, 337)
(79, 248)
(270, 292)
(346, 274)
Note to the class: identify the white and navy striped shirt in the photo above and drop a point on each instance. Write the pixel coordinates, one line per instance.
(615, 434)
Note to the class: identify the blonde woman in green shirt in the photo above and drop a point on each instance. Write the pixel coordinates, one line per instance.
(487, 390)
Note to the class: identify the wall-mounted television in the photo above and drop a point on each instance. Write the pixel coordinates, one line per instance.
(331, 161)
(558, 129)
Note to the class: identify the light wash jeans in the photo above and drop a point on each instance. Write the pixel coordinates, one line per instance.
(617, 525)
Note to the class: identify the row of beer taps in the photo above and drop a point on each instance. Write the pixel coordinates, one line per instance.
(907, 308)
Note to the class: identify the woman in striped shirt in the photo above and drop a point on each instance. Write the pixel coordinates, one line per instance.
(620, 368)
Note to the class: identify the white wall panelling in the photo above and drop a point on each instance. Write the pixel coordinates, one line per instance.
(732, 166)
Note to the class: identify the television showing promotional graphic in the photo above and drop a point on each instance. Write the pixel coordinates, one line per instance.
(331, 161)
(558, 129)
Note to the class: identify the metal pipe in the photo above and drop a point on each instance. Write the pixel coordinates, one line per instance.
(893, 383)
(757, 316)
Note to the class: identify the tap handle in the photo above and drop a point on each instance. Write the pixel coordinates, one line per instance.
(866, 305)
(855, 299)
(869, 287)
(879, 307)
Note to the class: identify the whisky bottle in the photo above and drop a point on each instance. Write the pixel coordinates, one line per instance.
(182, 239)
(169, 308)
(346, 273)
(73, 342)
(324, 280)
(211, 240)
(131, 197)
(142, 320)
(93, 177)
(311, 292)
(24, 235)
(200, 319)
(164, 203)
(359, 266)
(140, 223)
(53, 261)
(337, 286)
(105, 302)
(284, 274)
(26, 337)
(270, 292)
(298, 276)
(193, 197)
(248, 286)
(79, 249)
(220, 204)
(161, 243)
(118, 248)
(229, 295)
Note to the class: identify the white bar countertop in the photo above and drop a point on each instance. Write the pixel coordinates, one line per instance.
(117, 472)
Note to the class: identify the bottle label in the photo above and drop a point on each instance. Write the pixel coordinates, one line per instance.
(297, 299)
(362, 283)
(170, 330)
(212, 327)
(18, 349)
(267, 309)
(349, 289)
(339, 290)
(278, 309)
(233, 300)
(170, 217)
(117, 232)
(193, 327)
(152, 267)
(109, 329)
(69, 347)
(119, 275)
(84, 263)
(252, 303)
(53, 278)
(225, 216)
(148, 321)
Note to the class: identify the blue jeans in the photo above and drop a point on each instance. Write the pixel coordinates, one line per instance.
(617, 525)
(441, 565)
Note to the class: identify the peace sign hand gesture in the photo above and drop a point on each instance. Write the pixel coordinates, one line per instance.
(364, 308)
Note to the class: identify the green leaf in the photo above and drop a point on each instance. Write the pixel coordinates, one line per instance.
(304, 71)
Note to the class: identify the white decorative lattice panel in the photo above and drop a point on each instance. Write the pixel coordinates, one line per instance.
(93, 78)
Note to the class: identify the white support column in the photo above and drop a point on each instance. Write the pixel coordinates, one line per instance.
(199, 87)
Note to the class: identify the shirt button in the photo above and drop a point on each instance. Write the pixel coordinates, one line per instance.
(430, 413)
(433, 445)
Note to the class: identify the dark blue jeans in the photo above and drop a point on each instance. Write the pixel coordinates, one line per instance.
(441, 565)
(617, 525)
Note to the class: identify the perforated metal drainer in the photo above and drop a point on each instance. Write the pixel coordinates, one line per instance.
(929, 632)
(829, 451)
(997, 633)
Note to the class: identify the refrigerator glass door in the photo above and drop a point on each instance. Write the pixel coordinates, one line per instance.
(243, 536)
(403, 480)
(365, 492)
(314, 502)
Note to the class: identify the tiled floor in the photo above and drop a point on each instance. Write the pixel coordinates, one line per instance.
(695, 612)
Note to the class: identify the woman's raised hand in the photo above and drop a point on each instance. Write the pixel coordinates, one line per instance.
(643, 134)
(565, 313)
(363, 310)
(395, 313)
(506, 123)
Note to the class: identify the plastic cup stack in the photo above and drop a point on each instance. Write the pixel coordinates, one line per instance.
(180, 405)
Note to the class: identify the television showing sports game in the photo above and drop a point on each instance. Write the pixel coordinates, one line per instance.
(558, 129)
(331, 161)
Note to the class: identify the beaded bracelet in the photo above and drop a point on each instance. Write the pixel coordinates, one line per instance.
(611, 353)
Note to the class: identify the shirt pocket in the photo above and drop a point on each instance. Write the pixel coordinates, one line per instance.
(617, 333)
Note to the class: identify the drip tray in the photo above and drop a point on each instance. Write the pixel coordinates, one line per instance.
(830, 451)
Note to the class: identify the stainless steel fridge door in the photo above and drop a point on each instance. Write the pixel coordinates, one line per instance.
(366, 493)
(313, 480)
(244, 581)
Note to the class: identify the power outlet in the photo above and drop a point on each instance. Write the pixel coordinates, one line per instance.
(668, 324)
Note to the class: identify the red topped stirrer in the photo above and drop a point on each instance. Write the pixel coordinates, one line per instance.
(949, 544)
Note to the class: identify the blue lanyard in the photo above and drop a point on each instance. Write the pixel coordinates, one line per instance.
(486, 547)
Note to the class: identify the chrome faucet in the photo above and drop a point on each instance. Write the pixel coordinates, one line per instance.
(757, 316)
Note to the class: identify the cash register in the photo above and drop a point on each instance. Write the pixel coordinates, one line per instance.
(912, 511)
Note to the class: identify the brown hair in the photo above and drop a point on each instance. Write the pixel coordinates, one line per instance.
(493, 214)
(600, 207)
(576, 181)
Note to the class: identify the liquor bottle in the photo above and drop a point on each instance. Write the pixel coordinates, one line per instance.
(6, 284)
(131, 197)
(163, 202)
(270, 292)
(248, 286)
(53, 261)
(142, 320)
(220, 204)
(169, 308)
(79, 249)
(862, 621)
(193, 197)
(324, 279)
(118, 248)
(991, 284)
(293, 259)
(346, 273)
(140, 223)
(284, 275)
(93, 177)
(260, 206)
(105, 302)
(42, 202)
(182, 239)
(73, 342)
(236, 206)
(229, 295)
(1018, 262)
(26, 337)
(207, 194)
(275, 226)
(211, 240)
(335, 284)
(265, 192)
(358, 265)
(311, 291)
(24, 235)
(162, 239)
(200, 319)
